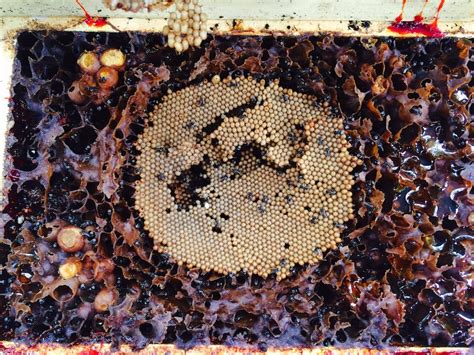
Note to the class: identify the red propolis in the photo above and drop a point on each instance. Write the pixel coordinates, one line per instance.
(417, 26)
(92, 21)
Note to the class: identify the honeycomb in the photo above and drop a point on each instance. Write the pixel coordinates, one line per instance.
(77, 263)
(244, 214)
(187, 26)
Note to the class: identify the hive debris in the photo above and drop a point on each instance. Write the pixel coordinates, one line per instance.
(240, 175)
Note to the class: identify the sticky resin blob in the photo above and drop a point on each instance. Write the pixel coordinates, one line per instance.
(238, 174)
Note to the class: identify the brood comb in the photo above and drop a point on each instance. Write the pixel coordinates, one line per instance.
(239, 175)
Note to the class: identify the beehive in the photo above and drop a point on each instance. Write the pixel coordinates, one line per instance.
(400, 276)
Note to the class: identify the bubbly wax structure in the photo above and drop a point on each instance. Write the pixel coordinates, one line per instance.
(239, 174)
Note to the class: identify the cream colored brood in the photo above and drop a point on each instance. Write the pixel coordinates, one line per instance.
(258, 214)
